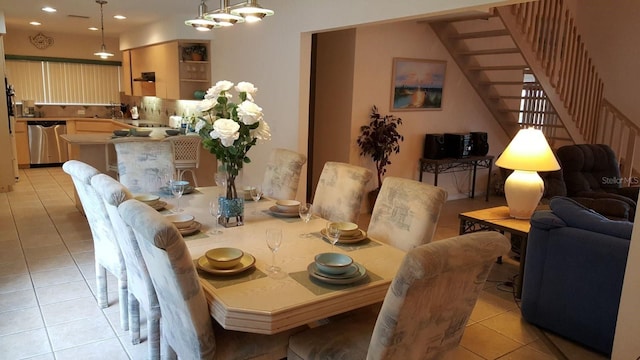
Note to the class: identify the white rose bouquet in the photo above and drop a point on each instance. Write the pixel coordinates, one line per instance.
(229, 130)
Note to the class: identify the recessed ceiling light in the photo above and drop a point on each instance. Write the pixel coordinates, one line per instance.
(49, 9)
(119, 17)
(93, 28)
(35, 23)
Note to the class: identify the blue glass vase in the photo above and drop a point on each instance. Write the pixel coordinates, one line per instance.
(232, 211)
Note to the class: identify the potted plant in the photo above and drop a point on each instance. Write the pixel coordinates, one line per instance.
(196, 52)
(379, 140)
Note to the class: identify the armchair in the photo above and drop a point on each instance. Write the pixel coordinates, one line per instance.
(573, 275)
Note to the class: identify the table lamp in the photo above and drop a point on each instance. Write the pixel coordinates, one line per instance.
(526, 154)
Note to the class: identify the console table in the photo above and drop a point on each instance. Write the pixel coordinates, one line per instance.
(447, 165)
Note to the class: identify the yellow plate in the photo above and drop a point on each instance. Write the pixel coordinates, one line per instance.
(192, 229)
(275, 211)
(246, 262)
(347, 239)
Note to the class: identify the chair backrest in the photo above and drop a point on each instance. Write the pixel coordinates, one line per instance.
(282, 176)
(340, 191)
(186, 323)
(406, 212)
(186, 150)
(429, 302)
(144, 165)
(139, 283)
(107, 250)
(586, 166)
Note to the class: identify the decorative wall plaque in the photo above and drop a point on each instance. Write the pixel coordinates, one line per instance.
(41, 41)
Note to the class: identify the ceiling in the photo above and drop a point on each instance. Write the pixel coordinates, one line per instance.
(75, 16)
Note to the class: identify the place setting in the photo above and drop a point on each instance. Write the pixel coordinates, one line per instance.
(336, 268)
(226, 261)
(185, 223)
(151, 200)
(343, 233)
(285, 209)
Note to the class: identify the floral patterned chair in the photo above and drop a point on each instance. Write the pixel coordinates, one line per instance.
(187, 328)
(426, 308)
(282, 176)
(144, 165)
(186, 152)
(108, 256)
(406, 213)
(340, 191)
(141, 290)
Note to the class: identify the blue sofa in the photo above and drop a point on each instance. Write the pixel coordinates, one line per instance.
(574, 269)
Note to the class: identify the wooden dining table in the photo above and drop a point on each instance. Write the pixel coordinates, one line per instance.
(256, 301)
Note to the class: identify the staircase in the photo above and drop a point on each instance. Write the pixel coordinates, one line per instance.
(529, 66)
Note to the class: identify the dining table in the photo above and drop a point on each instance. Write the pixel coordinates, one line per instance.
(256, 301)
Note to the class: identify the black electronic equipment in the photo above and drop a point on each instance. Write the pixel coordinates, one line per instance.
(479, 143)
(434, 146)
(457, 145)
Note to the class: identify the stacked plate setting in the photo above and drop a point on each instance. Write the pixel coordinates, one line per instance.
(286, 208)
(185, 223)
(349, 233)
(151, 200)
(226, 261)
(336, 268)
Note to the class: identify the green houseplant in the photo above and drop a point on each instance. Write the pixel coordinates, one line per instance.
(379, 140)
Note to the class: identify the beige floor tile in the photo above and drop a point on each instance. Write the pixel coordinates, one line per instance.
(79, 332)
(25, 344)
(50, 263)
(106, 349)
(460, 353)
(45, 251)
(13, 268)
(491, 303)
(56, 276)
(20, 320)
(527, 353)
(17, 300)
(63, 292)
(135, 352)
(512, 325)
(574, 351)
(10, 251)
(486, 342)
(79, 246)
(71, 310)
(84, 258)
(10, 283)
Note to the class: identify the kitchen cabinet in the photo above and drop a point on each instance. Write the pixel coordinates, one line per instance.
(22, 144)
(179, 73)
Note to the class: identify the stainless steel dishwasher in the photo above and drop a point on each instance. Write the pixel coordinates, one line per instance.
(46, 148)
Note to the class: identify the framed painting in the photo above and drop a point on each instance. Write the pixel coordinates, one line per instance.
(417, 84)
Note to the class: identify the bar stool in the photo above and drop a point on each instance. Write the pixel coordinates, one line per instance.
(186, 154)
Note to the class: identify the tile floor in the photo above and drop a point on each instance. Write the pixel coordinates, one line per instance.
(47, 288)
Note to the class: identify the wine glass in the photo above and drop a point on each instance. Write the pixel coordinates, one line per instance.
(333, 233)
(177, 188)
(214, 210)
(305, 211)
(256, 194)
(221, 182)
(274, 240)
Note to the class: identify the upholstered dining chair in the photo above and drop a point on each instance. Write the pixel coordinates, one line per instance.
(340, 191)
(282, 176)
(144, 165)
(186, 154)
(141, 290)
(406, 212)
(107, 253)
(187, 328)
(426, 308)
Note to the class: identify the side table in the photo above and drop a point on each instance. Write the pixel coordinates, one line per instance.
(498, 219)
(447, 165)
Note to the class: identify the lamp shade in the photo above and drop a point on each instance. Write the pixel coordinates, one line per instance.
(530, 151)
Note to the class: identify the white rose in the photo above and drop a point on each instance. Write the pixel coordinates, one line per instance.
(249, 112)
(226, 130)
(262, 132)
(247, 87)
(218, 88)
(200, 125)
(207, 104)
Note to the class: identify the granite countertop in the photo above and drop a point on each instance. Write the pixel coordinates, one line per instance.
(141, 123)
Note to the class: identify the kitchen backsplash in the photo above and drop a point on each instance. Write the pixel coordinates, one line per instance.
(152, 110)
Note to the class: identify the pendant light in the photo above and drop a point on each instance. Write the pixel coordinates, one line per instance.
(103, 53)
(223, 16)
(252, 11)
(200, 23)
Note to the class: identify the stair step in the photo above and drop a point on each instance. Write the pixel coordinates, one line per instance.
(490, 52)
(528, 112)
(481, 16)
(481, 34)
(499, 67)
(515, 97)
(501, 82)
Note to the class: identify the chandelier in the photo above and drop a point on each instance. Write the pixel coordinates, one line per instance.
(226, 15)
(103, 53)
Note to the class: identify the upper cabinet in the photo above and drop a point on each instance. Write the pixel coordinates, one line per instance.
(182, 69)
